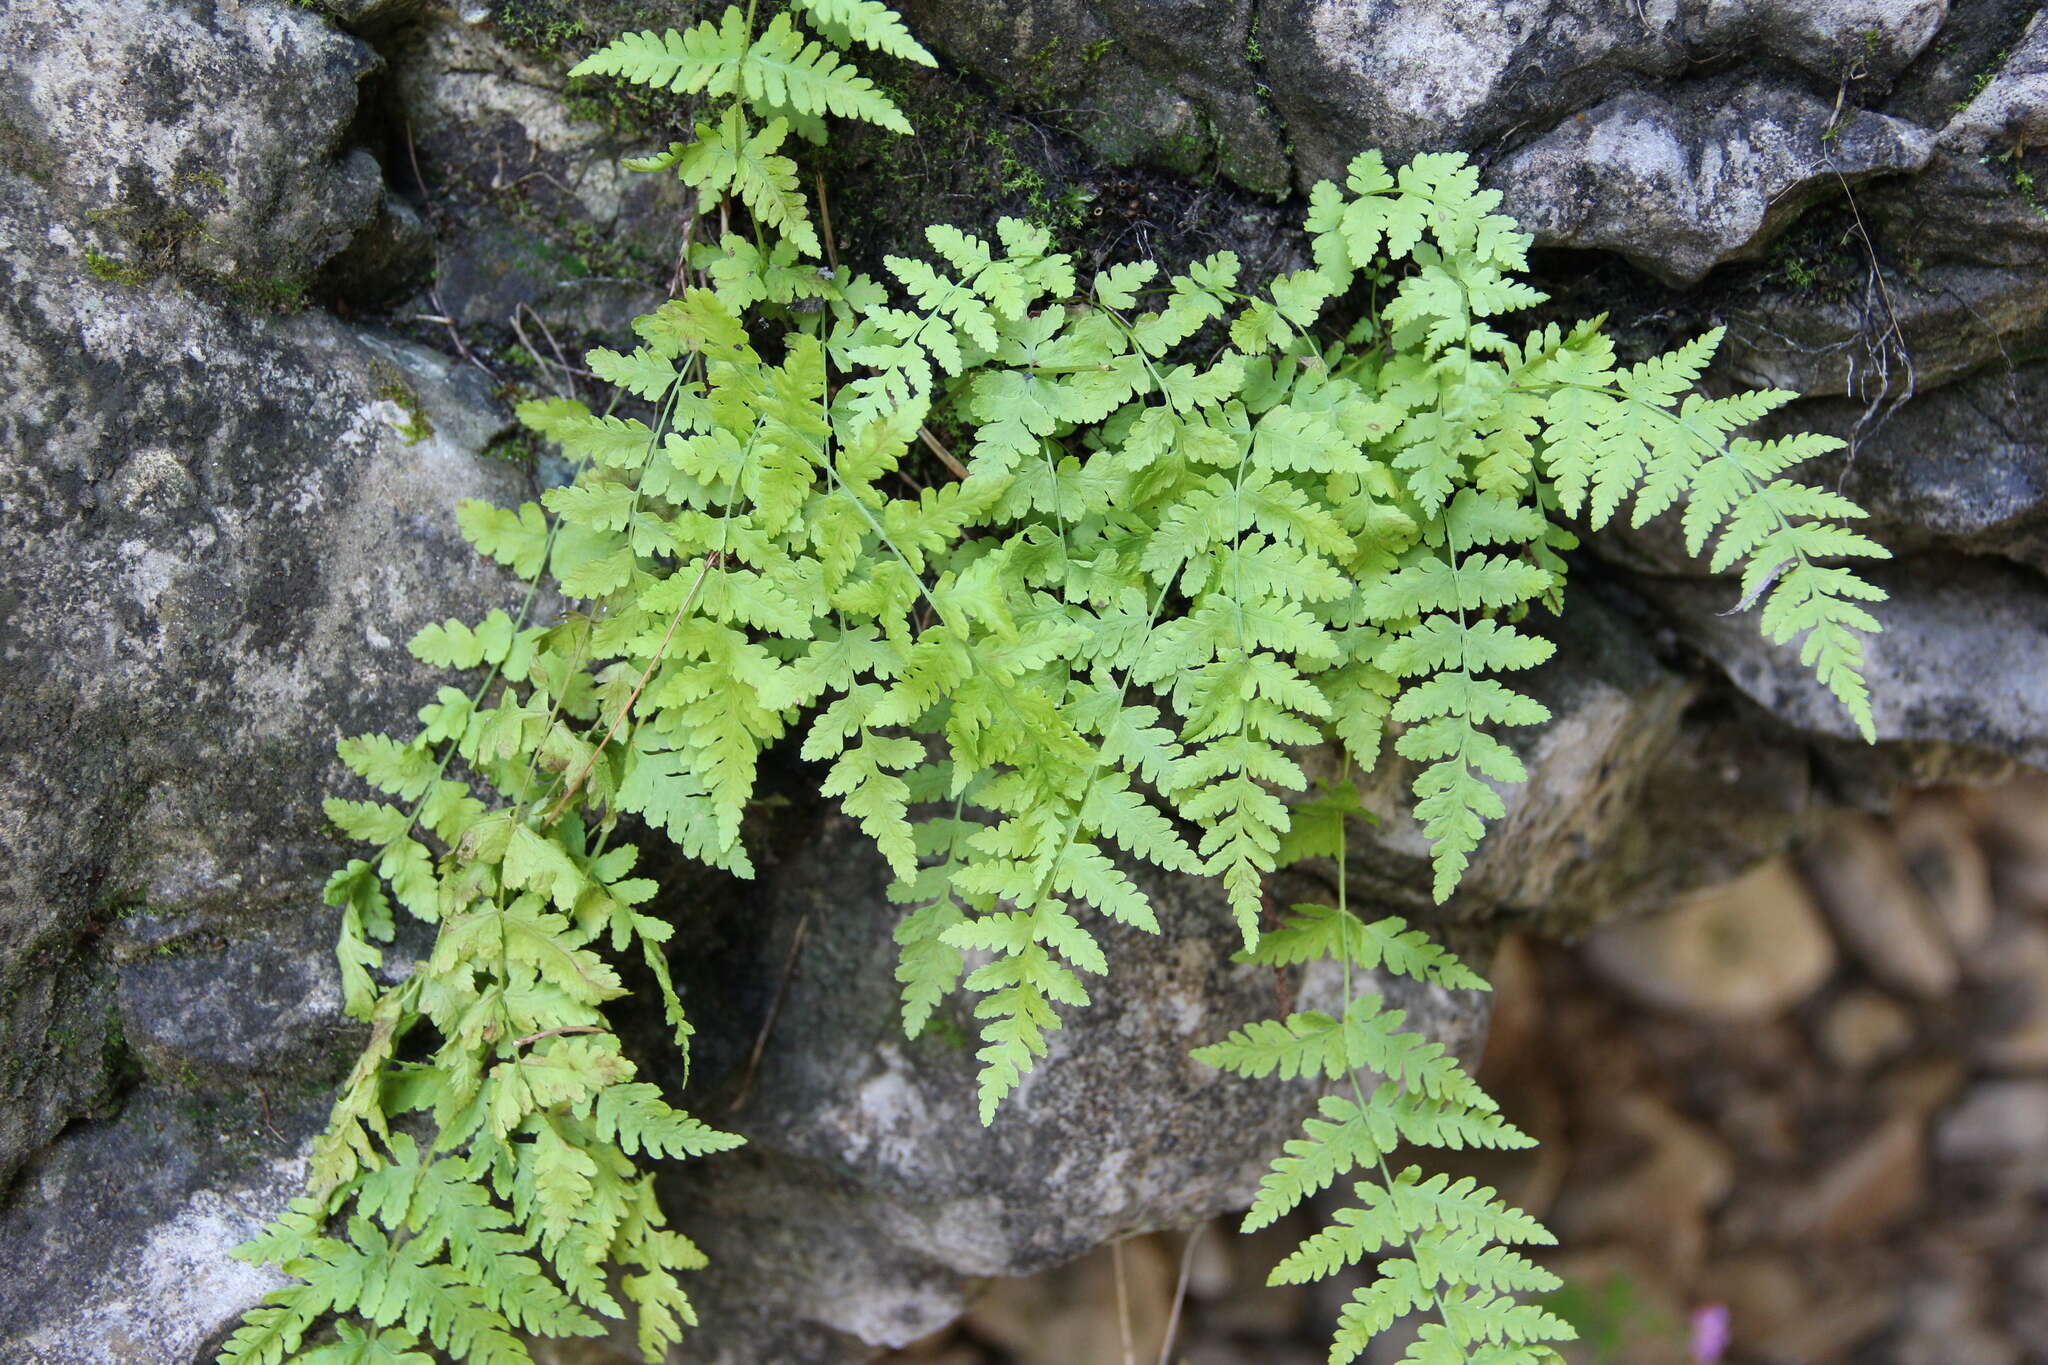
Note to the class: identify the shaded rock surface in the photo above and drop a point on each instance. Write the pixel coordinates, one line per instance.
(117, 1240)
(223, 522)
(1962, 661)
(1681, 186)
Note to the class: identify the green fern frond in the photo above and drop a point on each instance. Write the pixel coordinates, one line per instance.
(865, 21)
(784, 71)
(1203, 529)
(705, 59)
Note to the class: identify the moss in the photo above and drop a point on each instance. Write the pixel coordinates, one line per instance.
(947, 1033)
(1822, 254)
(966, 151)
(393, 388)
(1985, 75)
(274, 293)
(517, 447)
(114, 270)
(2023, 180)
(567, 30)
(237, 1121)
(209, 179)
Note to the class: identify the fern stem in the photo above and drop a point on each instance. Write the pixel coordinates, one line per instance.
(711, 561)
(663, 416)
(1351, 1072)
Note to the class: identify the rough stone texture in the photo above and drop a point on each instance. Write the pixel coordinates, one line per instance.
(556, 233)
(1987, 492)
(209, 138)
(1563, 850)
(116, 1243)
(1681, 186)
(1686, 135)
(188, 482)
(868, 1178)
(1411, 77)
(2013, 105)
(1176, 80)
(221, 530)
(1961, 281)
(1962, 663)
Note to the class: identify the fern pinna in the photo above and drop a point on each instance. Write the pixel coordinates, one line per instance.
(1200, 525)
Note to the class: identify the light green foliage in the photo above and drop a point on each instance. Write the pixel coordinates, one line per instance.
(1204, 524)
(1439, 1247)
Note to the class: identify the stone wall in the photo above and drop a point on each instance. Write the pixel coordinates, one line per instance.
(273, 272)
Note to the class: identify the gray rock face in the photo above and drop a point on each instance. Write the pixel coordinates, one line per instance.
(1962, 285)
(1183, 80)
(205, 138)
(1564, 849)
(1963, 467)
(1832, 39)
(1685, 136)
(1963, 660)
(117, 1240)
(491, 130)
(868, 1178)
(1679, 186)
(2012, 108)
(221, 530)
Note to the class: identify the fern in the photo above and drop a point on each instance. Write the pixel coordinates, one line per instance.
(1202, 527)
(1441, 1248)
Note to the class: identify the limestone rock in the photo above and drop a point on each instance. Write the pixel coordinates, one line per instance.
(1952, 278)
(222, 527)
(1680, 185)
(2012, 107)
(116, 1241)
(1570, 838)
(1950, 626)
(222, 530)
(1987, 494)
(220, 150)
(1182, 82)
(1749, 950)
(544, 223)
(1831, 39)
(1412, 76)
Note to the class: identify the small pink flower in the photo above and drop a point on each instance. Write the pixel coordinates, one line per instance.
(1709, 1333)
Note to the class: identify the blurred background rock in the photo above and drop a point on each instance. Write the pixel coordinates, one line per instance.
(1814, 1099)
